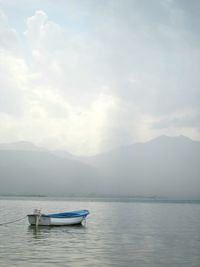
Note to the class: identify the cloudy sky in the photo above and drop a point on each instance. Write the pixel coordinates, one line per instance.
(91, 75)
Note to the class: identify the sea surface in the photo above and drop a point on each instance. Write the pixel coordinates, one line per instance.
(117, 233)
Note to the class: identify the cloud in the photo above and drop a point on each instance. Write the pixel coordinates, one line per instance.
(34, 106)
(8, 36)
(186, 120)
(13, 71)
(110, 74)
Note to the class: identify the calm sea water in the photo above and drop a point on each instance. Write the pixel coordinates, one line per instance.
(116, 234)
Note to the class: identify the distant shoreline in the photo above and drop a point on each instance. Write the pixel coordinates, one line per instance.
(111, 198)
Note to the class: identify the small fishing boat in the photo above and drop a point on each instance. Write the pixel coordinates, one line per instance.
(57, 219)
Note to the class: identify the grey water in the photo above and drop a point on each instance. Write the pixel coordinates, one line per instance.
(117, 233)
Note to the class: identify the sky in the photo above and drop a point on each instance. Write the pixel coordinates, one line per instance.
(88, 76)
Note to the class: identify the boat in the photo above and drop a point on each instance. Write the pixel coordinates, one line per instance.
(57, 219)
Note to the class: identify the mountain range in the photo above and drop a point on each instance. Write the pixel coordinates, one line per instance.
(166, 167)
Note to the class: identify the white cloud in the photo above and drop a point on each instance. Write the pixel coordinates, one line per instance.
(130, 67)
(46, 115)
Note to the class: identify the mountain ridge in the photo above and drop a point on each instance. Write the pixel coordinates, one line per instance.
(165, 166)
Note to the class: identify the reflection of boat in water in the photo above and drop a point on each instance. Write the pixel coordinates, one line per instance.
(58, 219)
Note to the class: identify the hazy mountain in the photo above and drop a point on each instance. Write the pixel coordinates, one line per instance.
(40, 172)
(164, 167)
(66, 155)
(22, 146)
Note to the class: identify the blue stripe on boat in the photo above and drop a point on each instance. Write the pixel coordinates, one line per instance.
(69, 214)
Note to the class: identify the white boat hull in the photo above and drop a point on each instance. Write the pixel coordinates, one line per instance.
(48, 221)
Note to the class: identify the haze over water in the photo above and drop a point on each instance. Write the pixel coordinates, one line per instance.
(116, 234)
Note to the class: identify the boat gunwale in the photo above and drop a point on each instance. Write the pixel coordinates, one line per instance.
(70, 214)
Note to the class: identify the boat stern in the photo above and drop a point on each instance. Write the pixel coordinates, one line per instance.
(42, 220)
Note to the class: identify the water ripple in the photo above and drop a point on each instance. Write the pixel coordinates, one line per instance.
(116, 234)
